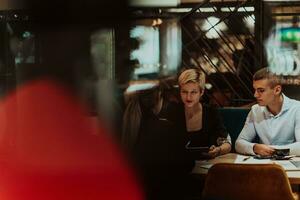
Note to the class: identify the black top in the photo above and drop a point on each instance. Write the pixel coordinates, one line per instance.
(212, 126)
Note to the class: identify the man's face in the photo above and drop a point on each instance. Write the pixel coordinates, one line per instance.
(264, 93)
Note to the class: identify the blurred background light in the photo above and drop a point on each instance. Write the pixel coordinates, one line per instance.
(153, 3)
(213, 27)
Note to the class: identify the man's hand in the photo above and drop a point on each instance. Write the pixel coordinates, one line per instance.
(263, 149)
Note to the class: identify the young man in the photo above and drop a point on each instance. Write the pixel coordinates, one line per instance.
(275, 119)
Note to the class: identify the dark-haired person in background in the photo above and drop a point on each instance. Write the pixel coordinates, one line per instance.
(158, 152)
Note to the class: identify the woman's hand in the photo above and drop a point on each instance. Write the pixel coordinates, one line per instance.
(214, 151)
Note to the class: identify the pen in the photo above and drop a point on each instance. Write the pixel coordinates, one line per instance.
(246, 158)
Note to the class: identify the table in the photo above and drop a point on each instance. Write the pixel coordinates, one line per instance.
(292, 171)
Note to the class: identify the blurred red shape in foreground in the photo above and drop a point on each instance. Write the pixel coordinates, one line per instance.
(47, 151)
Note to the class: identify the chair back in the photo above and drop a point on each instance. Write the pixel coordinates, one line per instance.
(234, 120)
(247, 182)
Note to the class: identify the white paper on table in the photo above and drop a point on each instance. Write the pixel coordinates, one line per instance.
(287, 165)
(251, 160)
(240, 159)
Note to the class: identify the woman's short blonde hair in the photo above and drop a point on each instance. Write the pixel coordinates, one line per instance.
(192, 75)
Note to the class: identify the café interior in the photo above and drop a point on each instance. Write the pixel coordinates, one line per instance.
(119, 54)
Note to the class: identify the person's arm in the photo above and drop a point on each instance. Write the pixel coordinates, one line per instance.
(243, 144)
(220, 150)
(263, 149)
(294, 147)
(225, 148)
(223, 138)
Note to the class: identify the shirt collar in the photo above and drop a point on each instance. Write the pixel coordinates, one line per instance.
(284, 108)
(286, 104)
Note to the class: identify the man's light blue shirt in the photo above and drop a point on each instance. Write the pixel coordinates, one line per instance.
(281, 130)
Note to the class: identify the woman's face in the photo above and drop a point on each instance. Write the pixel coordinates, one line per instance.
(190, 94)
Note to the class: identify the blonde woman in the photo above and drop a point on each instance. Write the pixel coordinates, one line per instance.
(200, 124)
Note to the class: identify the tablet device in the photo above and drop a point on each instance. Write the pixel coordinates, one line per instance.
(262, 157)
(191, 147)
(282, 152)
(275, 157)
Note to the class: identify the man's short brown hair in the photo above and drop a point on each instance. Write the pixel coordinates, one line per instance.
(266, 73)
